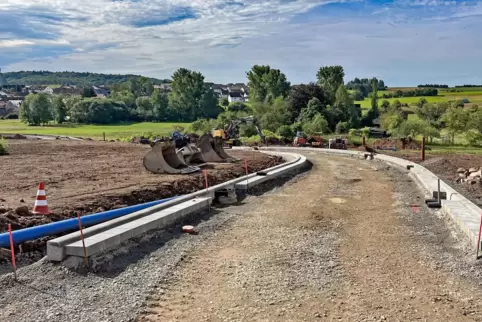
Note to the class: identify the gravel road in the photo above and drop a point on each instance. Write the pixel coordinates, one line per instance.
(339, 243)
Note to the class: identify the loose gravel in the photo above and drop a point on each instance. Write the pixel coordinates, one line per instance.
(337, 243)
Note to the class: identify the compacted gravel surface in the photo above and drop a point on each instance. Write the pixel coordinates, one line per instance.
(338, 243)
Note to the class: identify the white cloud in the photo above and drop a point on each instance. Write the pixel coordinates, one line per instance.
(223, 42)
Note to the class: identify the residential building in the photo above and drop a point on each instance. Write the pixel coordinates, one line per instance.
(235, 97)
(8, 107)
(165, 87)
(101, 92)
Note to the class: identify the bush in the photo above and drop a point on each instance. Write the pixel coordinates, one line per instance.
(474, 138)
(11, 116)
(202, 126)
(341, 127)
(286, 132)
(3, 147)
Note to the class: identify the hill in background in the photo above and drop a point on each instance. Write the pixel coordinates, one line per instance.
(70, 78)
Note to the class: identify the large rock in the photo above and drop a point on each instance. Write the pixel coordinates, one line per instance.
(472, 170)
(461, 170)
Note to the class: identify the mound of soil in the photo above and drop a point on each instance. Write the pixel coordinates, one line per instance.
(399, 144)
(141, 140)
(14, 137)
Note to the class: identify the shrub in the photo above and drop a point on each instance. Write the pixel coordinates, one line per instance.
(341, 127)
(286, 132)
(3, 147)
(11, 116)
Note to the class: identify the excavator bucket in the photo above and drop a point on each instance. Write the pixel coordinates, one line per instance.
(163, 158)
(218, 147)
(191, 154)
(206, 145)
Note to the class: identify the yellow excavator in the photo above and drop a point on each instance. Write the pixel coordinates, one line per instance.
(230, 133)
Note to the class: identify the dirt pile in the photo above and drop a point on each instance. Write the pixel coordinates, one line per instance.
(398, 144)
(141, 140)
(14, 137)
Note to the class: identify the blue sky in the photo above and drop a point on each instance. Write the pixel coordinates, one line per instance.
(404, 42)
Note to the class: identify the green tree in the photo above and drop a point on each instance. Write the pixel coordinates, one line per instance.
(397, 105)
(145, 108)
(35, 109)
(70, 101)
(432, 113)
(314, 107)
(300, 95)
(59, 109)
(263, 81)
(421, 102)
(271, 116)
(160, 105)
(343, 101)
(391, 120)
(415, 127)
(317, 125)
(286, 132)
(125, 96)
(374, 100)
(330, 78)
(190, 97)
(456, 121)
(385, 105)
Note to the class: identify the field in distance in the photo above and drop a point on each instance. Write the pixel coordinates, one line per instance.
(112, 132)
(473, 94)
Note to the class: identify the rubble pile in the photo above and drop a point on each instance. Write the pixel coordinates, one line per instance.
(470, 176)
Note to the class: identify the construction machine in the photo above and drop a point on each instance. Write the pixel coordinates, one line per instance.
(299, 139)
(230, 133)
(338, 143)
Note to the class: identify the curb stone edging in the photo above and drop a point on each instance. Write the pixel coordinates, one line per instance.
(56, 248)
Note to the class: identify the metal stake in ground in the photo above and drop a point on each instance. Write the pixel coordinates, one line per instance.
(478, 241)
(423, 148)
(247, 172)
(207, 187)
(12, 249)
(86, 260)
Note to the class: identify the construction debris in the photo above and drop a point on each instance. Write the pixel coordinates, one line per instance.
(470, 176)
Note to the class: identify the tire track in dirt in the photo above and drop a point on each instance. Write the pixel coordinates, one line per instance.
(330, 246)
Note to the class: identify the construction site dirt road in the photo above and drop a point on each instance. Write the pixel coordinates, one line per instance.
(338, 243)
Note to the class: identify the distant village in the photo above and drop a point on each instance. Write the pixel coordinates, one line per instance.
(12, 95)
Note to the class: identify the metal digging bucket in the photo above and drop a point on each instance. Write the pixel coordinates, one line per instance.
(163, 158)
(206, 145)
(218, 147)
(191, 154)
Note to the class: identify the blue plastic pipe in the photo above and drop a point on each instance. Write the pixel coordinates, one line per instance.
(31, 233)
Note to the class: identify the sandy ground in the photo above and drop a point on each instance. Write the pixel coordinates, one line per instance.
(380, 267)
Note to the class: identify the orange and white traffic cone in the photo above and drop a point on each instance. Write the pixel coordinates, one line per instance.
(41, 207)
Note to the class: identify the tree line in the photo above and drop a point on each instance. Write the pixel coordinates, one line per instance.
(69, 78)
(433, 86)
(411, 93)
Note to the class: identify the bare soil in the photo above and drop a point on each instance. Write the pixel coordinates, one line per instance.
(93, 176)
(339, 244)
(445, 166)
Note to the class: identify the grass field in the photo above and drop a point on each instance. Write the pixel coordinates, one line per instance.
(473, 94)
(92, 131)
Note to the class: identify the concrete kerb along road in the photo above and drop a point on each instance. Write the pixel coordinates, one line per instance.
(57, 248)
(464, 213)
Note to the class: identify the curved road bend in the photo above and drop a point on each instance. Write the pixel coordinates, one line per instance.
(339, 243)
